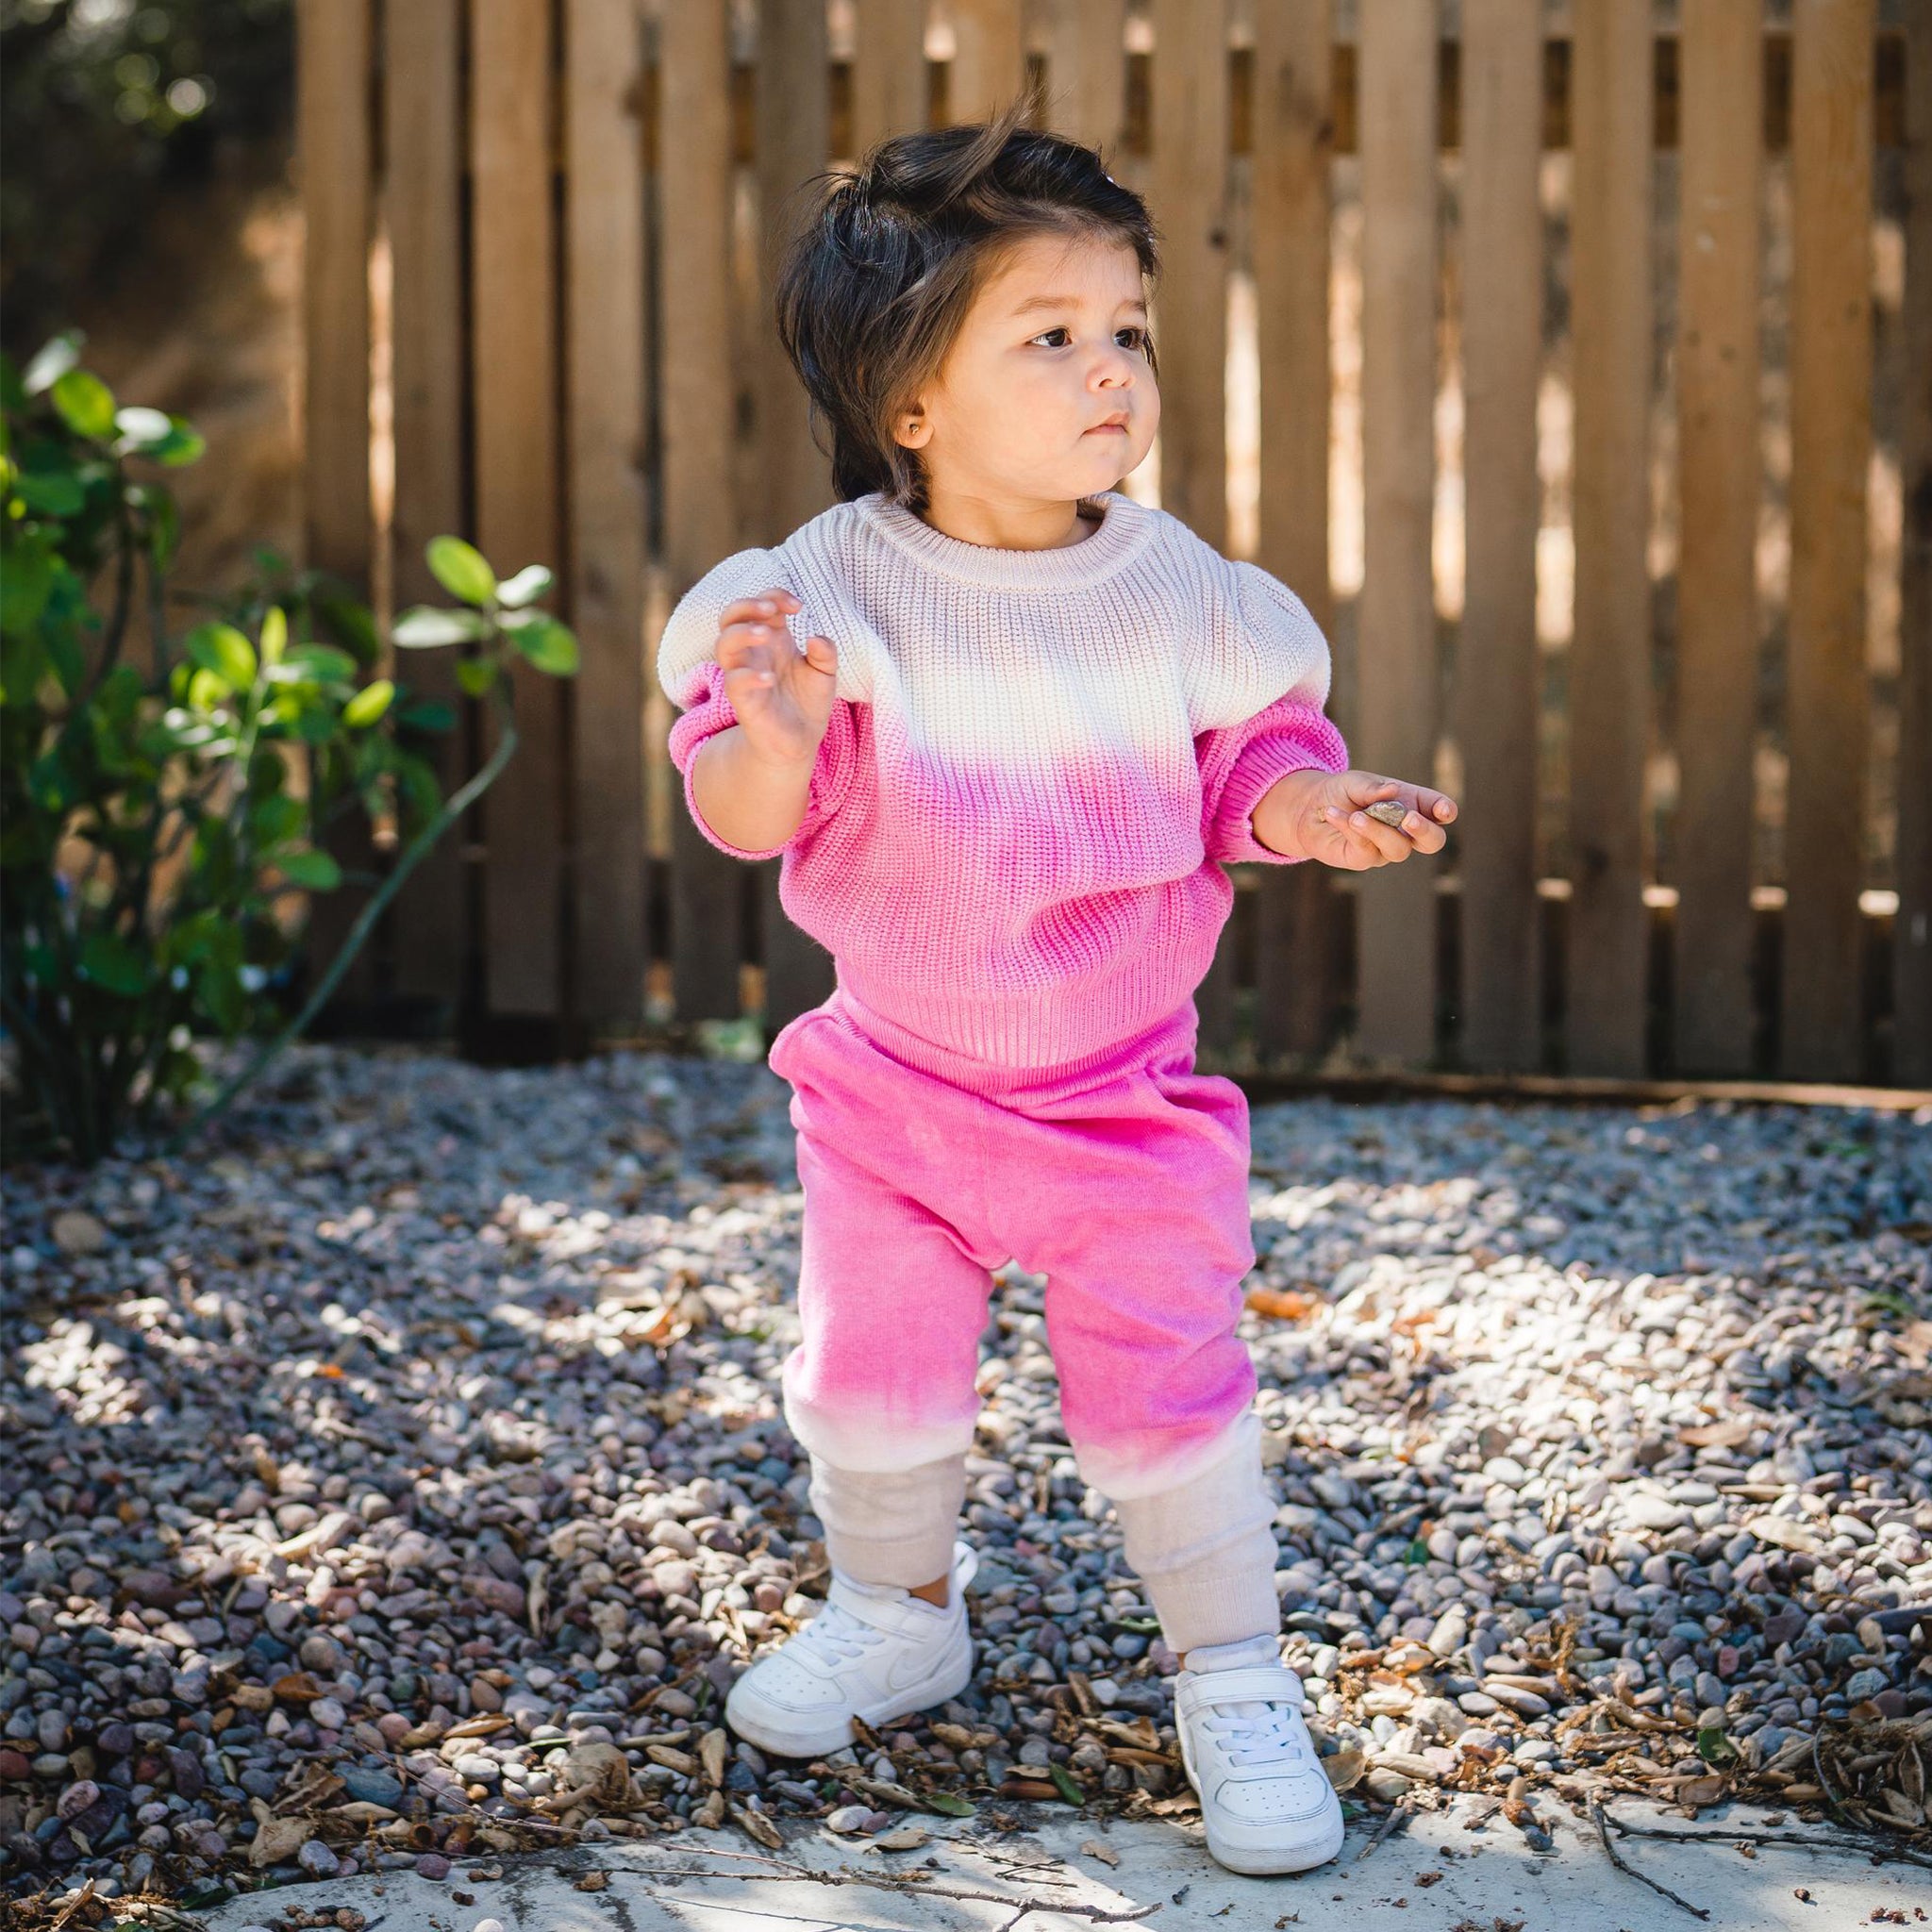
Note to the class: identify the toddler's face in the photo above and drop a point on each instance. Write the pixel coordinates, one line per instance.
(1053, 346)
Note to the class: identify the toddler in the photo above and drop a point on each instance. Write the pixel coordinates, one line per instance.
(1005, 725)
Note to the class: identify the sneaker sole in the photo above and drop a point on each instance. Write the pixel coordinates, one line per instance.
(1259, 1861)
(944, 1683)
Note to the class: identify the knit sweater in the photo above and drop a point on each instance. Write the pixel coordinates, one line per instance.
(1035, 765)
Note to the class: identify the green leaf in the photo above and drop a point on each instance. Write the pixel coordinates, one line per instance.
(114, 965)
(1715, 1748)
(476, 675)
(275, 821)
(1138, 1627)
(423, 627)
(54, 359)
(222, 649)
(427, 715)
(183, 444)
(524, 588)
(1064, 1783)
(53, 493)
(368, 704)
(1418, 1552)
(206, 689)
(25, 582)
(86, 403)
(304, 866)
(317, 664)
(460, 569)
(947, 1804)
(275, 634)
(551, 647)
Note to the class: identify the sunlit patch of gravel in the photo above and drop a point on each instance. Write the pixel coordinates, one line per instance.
(400, 1476)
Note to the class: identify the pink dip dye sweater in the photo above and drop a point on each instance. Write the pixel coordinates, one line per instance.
(1036, 764)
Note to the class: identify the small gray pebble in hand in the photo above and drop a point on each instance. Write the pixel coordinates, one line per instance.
(1389, 810)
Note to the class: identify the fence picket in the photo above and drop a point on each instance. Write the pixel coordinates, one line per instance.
(1720, 137)
(606, 360)
(1498, 673)
(334, 141)
(696, 188)
(422, 206)
(1912, 929)
(1610, 121)
(514, 331)
(1395, 906)
(1827, 709)
(1293, 144)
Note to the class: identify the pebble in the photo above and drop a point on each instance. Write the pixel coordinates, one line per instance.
(430, 1392)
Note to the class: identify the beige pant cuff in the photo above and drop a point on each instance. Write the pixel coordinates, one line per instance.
(890, 1526)
(1206, 1551)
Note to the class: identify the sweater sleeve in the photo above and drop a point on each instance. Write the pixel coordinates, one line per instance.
(1278, 650)
(691, 678)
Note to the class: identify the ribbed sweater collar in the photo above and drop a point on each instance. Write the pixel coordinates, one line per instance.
(1123, 534)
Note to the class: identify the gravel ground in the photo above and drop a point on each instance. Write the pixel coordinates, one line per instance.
(400, 1481)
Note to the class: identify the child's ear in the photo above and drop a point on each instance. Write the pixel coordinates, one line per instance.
(914, 429)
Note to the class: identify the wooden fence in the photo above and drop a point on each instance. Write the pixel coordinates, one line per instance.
(1574, 365)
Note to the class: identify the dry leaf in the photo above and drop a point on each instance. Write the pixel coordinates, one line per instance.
(1282, 1304)
(1096, 1850)
(1345, 1768)
(279, 1838)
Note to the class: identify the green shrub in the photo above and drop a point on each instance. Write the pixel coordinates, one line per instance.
(162, 830)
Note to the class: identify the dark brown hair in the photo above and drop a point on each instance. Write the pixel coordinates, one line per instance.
(876, 280)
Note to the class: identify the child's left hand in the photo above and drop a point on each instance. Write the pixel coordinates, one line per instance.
(1334, 827)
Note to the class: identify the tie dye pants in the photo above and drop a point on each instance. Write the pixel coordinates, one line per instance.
(1123, 1180)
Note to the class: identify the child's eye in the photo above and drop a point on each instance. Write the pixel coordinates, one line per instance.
(1140, 335)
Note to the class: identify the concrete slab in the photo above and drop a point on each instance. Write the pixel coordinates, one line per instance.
(1437, 1873)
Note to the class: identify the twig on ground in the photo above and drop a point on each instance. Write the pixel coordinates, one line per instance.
(1602, 1832)
(1399, 1813)
(1881, 1849)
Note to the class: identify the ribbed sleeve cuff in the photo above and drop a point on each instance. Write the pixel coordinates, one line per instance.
(1290, 736)
(708, 711)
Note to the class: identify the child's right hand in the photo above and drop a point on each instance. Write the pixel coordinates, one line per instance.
(782, 697)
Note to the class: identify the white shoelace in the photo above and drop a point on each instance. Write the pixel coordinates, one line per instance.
(837, 1632)
(1254, 1732)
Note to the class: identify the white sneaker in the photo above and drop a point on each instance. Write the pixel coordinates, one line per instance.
(1265, 1800)
(874, 1651)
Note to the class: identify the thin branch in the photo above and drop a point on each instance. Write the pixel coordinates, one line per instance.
(1596, 1813)
(1398, 1813)
(453, 809)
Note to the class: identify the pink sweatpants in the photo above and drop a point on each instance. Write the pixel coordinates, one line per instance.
(1122, 1179)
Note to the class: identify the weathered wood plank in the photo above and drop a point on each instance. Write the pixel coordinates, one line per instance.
(889, 76)
(1187, 189)
(424, 206)
(1827, 714)
(1718, 479)
(604, 363)
(1609, 654)
(514, 329)
(1396, 904)
(334, 141)
(1087, 72)
(1293, 140)
(1188, 192)
(988, 64)
(1912, 942)
(1497, 670)
(697, 411)
(793, 140)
